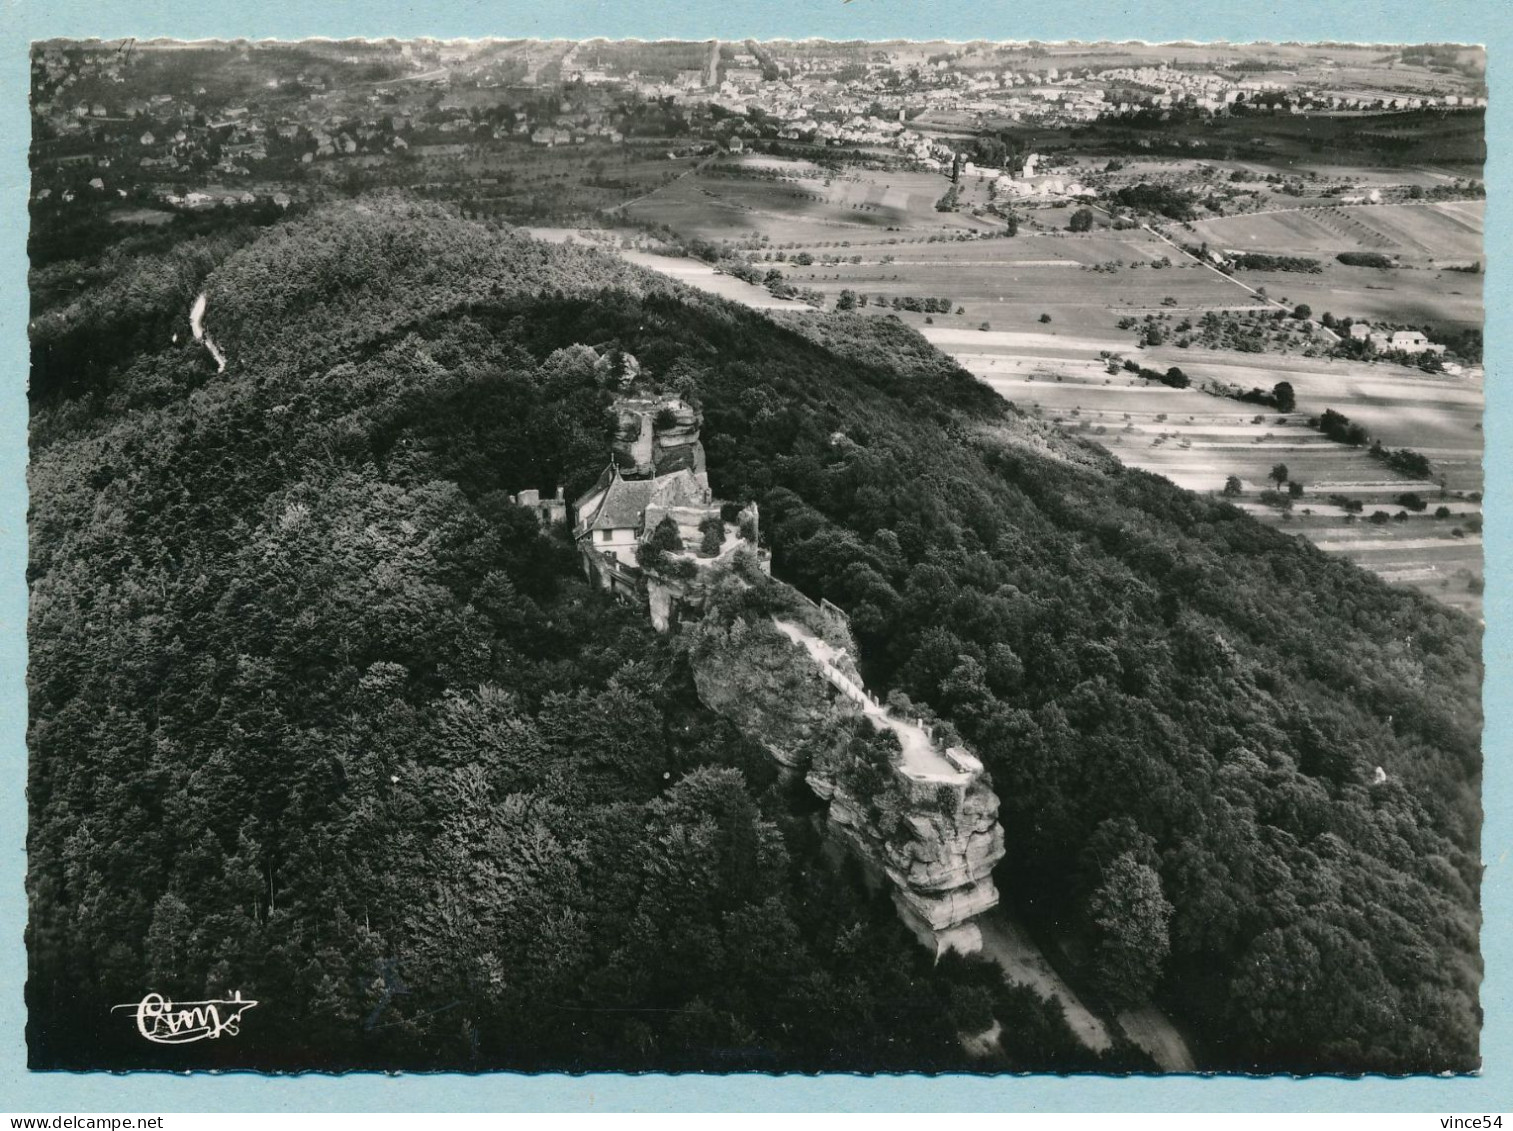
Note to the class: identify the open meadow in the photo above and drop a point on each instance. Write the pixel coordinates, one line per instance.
(1085, 282)
(1445, 300)
(1450, 231)
(791, 200)
(1425, 241)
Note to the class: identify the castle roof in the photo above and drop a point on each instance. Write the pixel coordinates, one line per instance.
(606, 477)
(680, 489)
(624, 503)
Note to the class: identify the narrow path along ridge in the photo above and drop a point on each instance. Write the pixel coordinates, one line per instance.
(922, 757)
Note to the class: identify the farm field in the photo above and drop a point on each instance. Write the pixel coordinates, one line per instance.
(1000, 287)
(706, 278)
(889, 219)
(798, 201)
(1197, 441)
(1010, 283)
(1415, 297)
(1365, 178)
(535, 181)
(693, 272)
(1435, 414)
(149, 216)
(1426, 233)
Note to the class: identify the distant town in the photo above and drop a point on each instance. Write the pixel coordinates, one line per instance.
(193, 126)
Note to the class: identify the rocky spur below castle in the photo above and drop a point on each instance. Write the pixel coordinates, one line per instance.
(911, 803)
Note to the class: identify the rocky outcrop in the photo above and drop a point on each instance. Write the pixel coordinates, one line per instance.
(675, 438)
(657, 436)
(927, 823)
(771, 693)
(616, 368)
(933, 837)
(938, 857)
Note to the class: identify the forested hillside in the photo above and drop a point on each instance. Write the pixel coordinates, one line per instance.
(317, 714)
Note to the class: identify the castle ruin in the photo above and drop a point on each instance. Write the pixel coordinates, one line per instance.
(651, 531)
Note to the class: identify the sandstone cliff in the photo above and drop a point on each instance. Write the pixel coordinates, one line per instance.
(657, 436)
(921, 817)
(768, 689)
(934, 837)
(939, 862)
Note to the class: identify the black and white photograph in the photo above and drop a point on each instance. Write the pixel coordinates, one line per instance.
(776, 556)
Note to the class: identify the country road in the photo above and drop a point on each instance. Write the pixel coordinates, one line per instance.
(1007, 943)
(1149, 1028)
(694, 168)
(1211, 267)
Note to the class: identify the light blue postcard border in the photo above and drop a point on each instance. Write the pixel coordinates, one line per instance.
(1386, 21)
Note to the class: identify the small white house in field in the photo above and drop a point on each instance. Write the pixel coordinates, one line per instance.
(1411, 341)
(1404, 341)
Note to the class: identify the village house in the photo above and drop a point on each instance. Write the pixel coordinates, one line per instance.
(1398, 341)
(1412, 341)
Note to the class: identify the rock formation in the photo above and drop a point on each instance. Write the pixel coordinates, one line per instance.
(651, 530)
(931, 832)
(939, 862)
(657, 436)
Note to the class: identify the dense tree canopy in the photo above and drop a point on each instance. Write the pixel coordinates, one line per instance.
(321, 717)
(318, 714)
